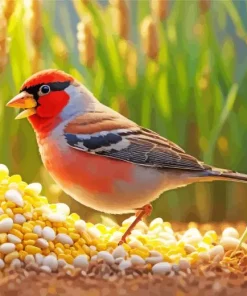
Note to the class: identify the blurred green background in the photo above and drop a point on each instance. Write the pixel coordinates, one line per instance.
(177, 67)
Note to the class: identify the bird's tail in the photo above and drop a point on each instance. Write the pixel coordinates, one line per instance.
(214, 174)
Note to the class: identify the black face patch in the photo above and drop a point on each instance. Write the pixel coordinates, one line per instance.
(54, 86)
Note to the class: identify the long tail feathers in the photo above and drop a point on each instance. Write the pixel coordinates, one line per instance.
(226, 175)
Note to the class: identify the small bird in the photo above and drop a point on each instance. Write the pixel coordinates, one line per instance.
(99, 157)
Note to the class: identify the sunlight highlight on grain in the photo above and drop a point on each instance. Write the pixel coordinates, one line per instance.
(86, 42)
(150, 38)
(59, 48)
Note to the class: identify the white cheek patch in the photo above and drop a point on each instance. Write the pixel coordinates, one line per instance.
(80, 102)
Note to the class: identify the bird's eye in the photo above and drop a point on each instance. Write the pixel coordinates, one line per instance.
(44, 90)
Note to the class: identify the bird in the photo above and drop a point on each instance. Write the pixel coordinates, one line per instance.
(99, 157)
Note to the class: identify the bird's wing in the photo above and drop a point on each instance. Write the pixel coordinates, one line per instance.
(116, 137)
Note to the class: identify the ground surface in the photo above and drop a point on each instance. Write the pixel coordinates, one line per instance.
(102, 279)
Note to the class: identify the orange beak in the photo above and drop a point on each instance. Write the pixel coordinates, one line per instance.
(26, 101)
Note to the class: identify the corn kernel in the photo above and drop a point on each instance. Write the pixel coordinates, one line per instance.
(87, 238)
(32, 249)
(51, 245)
(59, 251)
(62, 230)
(29, 242)
(11, 256)
(31, 236)
(3, 238)
(68, 258)
(19, 247)
(22, 255)
(18, 211)
(67, 251)
(74, 236)
(16, 232)
(3, 216)
(46, 251)
(112, 245)
(17, 226)
(81, 241)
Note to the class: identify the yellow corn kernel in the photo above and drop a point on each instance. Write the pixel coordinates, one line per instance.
(32, 236)
(74, 216)
(19, 247)
(3, 216)
(17, 226)
(77, 246)
(112, 245)
(51, 246)
(68, 258)
(142, 239)
(28, 225)
(10, 204)
(92, 253)
(15, 179)
(32, 249)
(48, 223)
(74, 236)
(3, 238)
(212, 234)
(102, 228)
(35, 217)
(87, 238)
(22, 255)
(41, 223)
(101, 247)
(67, 251)
(16, 232)
(1, 256)
(59, 245)
(86, 249)
(18, 211)
(81, 241)
(62, 230)
(59, 251)
(208, 240)
(29, 242)
(141, 253)
(11, 256)
(58, 224)
(28, 207)
(22, 185)
(126, 247)
(66, 246)
(46, 251)
(89, 224)
(74, 253)
(26, 230)
(71, 229)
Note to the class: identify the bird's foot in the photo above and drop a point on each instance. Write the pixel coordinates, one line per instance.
(141, 212)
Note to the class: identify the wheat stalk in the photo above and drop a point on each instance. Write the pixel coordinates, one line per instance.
(149, 36)
(86, 42)
(34, 23)
(3, 41)
(160, 9)
(8, 8)
(121, 17)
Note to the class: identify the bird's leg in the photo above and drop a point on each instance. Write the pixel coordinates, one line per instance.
(144, 211)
